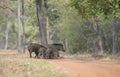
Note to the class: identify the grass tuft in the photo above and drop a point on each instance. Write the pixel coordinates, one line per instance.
(15, 65)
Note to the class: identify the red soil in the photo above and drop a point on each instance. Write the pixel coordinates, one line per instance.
(78, 68)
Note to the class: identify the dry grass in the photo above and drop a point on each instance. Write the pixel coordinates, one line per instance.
(89, 57)
(20, 65)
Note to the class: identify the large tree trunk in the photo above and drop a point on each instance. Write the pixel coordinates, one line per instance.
(19, 30)
(6, 35)
(23, 28)
(47, 21)
(45, 4)
(114, 47)
(99, 37)
(42, 26)
(66, 45)
(47, 28)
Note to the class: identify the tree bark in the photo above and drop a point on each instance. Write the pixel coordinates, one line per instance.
(99, 37)
(45, 4)
(47, 28)
(42, 26)
(6, 35)
(23, 28)
(47, 21)
(19, 31)
(114, 47)
(100, 40)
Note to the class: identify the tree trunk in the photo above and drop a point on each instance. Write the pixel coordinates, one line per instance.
(42, 26)
(100, 40)
(19, 30)
(47, 21)
(66, 46)
(45, 4)
(23, 28)
(47, 28)
(6, 35)
(114, 47)
(99, 37)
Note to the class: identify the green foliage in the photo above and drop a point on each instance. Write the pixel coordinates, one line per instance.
(68, 20)
(80, 33)
(31, 26)
(88, 8)
(21, 66)
(72, 27)
(8, 14)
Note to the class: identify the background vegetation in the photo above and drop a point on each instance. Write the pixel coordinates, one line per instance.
(14, 65)
(83, 26)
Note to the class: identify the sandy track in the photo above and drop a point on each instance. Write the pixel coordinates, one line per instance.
(78, 68)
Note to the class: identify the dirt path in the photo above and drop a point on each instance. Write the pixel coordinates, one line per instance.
(78, 68)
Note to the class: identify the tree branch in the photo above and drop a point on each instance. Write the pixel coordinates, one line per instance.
(7, 8)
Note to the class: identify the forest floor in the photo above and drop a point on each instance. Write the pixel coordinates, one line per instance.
(78, 68)
(70, 67)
